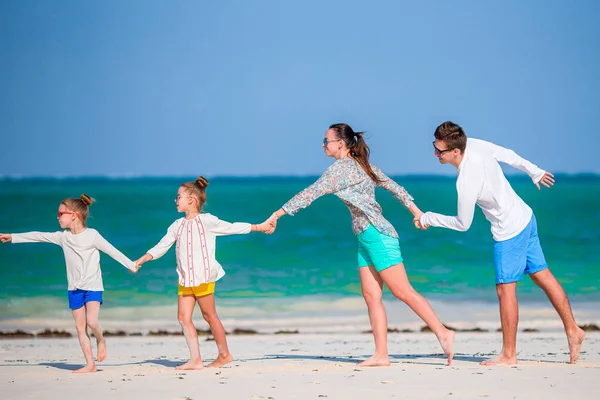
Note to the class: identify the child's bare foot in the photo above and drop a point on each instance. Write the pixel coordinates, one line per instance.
(447, 343)
(575, 341)
(500, 360)
(86, 369)
(220, 361)
(375, 361)
(192, 364)
(101, 356)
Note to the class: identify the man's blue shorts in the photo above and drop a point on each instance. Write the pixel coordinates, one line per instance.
(78, 297)
(519, 255)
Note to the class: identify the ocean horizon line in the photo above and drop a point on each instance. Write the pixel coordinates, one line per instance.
(266, 177)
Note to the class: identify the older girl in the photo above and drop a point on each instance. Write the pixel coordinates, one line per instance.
(81, 247)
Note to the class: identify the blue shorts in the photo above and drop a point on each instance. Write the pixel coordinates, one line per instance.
(519, 255)
(78, 297)
(377, 250)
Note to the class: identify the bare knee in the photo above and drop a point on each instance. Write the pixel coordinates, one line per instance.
(542, 277)
(185, 320)
(81, 330)
(405, 294)
(506, 290)
(93, 325)
(210, 316)
(372, 298)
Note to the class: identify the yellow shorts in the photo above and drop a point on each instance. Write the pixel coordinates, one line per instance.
(198, 291)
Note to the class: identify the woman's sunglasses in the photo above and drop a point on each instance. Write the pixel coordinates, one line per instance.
(326, 142)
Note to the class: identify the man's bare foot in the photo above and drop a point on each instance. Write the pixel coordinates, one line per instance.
(101, 356)
(500, 360)
(86, 369)
(575, 345)
(220, 361)
(447, 343)
(375, 361)
(197, 365)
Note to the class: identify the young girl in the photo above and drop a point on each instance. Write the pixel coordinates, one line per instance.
(198, 270)
(80, 245)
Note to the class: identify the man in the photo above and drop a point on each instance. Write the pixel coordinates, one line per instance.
(517, 248)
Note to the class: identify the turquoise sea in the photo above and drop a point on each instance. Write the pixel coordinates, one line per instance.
(305, 274)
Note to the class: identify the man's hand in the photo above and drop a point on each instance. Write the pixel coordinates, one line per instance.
(547, 180)
(417, 222)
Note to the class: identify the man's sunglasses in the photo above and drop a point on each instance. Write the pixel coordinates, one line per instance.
(439, 152)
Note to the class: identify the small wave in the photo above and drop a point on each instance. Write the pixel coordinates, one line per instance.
(310, 314)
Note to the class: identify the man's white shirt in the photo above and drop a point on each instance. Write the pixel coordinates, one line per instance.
(481, 181)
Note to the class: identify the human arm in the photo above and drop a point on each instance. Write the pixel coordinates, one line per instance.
(510, 157)
(161, 248)
(396, 190)
(400, 194)
(43, 237)
(337, 177)
(104, 246)
(469, 187)
(221, 228)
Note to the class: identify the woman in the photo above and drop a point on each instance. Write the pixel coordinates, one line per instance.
(353, 179)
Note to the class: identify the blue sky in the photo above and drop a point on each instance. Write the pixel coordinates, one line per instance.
(162, 88)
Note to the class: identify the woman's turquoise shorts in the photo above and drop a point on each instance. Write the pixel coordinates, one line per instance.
(377, 249)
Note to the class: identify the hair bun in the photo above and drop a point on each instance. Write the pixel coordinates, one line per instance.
(202, 182)
(87, 200)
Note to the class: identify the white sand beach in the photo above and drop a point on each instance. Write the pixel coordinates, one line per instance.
(302, 366)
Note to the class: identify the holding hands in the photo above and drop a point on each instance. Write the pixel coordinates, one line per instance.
(270, 223)
(417, 222)
(138, 263)
(5, 237)
(417, 213)
(272, 220)
(268, 226)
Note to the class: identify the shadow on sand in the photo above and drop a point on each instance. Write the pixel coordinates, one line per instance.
(410, 358)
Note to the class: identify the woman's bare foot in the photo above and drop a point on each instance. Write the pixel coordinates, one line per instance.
(575, 341)
(220, 361)
(500, 360)
(101, 356)
(86, 369)
(192, 364)
(375, 361)
(447, 343)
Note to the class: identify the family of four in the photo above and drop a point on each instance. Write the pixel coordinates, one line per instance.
(352, 178)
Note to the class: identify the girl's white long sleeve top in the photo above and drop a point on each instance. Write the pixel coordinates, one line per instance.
(82, 255)
(195, 241)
